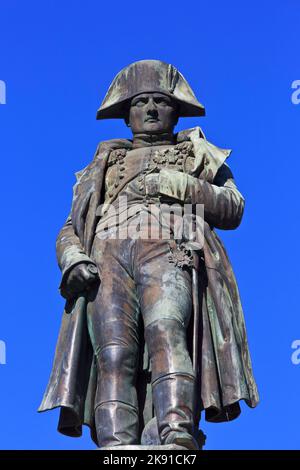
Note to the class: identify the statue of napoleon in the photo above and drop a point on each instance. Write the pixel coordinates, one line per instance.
(153, 330)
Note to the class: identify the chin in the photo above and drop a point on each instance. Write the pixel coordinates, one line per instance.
(153, 127)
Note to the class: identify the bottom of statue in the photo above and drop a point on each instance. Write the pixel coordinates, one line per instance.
(150, 441)
(143, 447)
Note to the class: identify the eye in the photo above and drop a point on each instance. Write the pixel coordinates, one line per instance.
(162, 101)
(140, 102)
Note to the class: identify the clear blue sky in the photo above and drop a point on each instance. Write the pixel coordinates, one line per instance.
(57, 60)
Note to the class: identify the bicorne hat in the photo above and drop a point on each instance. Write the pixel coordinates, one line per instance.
(148, 76)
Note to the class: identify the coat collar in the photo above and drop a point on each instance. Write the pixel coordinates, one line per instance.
(206, 153)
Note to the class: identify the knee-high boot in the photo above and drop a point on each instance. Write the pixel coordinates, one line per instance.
(173, 382)
(116, 407)
(174, 398)
(116, 424)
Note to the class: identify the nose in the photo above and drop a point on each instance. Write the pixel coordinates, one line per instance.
(151, 107)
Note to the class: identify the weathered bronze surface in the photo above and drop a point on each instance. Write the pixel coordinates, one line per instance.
(153, 330)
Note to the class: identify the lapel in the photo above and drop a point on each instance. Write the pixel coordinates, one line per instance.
(207, 155)
(87, 192)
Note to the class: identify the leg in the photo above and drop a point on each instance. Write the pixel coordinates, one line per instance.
(166, 303)
(113, 320)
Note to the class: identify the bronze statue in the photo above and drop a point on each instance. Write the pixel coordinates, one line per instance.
(153, 330)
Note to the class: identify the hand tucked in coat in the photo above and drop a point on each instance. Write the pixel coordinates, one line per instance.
(80, 278)
(223, 203)
(170, 183)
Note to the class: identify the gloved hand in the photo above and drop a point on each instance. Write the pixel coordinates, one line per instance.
(80, 278)
(170, 183)
(173, 184)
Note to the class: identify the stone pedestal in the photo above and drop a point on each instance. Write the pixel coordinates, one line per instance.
(161, 448)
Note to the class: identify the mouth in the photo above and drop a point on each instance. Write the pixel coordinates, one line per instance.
(151, 120)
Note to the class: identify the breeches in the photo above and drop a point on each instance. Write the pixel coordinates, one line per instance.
(138, 284)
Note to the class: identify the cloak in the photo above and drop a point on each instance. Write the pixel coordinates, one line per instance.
(225, 371)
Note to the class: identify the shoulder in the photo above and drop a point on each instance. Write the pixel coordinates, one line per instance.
(103, 150)
(207, 155)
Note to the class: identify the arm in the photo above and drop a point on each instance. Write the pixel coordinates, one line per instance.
(69, 254)
(223, 203)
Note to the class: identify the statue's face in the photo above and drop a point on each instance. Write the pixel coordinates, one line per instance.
(152, 113)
